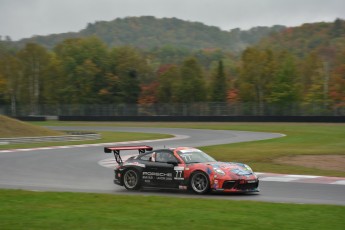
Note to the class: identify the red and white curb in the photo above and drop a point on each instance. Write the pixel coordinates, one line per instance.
(176, 137)
(111, 163)
(301, 178)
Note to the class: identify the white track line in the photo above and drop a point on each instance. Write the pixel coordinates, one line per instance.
(176, 137)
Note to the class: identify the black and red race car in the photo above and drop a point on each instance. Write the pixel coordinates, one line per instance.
(181, 168)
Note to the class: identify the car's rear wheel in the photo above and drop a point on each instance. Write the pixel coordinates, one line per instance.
(131, 179)
(200, 183)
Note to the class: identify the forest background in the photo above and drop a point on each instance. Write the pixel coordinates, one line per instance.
(140, 62)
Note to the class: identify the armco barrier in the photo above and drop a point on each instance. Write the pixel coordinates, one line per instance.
(333, 119)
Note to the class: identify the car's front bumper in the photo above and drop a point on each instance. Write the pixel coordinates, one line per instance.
(236, 185)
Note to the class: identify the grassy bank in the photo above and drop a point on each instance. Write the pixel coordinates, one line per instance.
(10, 127)
(47, 210)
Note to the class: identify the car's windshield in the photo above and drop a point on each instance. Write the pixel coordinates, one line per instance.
(194, 156)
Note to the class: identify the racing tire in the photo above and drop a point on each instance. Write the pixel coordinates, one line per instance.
(199, 183)
(131, 179)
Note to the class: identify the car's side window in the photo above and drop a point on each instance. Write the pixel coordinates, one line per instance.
(165, 156)
(146, 157)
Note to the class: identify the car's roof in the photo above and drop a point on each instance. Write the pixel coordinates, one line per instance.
(182, 148)
(170, 149)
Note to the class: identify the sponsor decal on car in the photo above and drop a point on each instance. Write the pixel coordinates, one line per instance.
(157, 175)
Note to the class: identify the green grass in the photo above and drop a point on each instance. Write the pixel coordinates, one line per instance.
(50, 210)
(300, 139)
(107, 137)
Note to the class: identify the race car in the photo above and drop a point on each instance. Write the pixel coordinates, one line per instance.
(184, 168)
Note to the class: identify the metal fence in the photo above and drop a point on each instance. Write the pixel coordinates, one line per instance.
(181, 109)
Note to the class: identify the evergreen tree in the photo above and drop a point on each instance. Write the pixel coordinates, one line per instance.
(218, 85)
(130, 87)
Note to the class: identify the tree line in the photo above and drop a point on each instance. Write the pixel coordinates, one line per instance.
(148, 32)
(87, 71)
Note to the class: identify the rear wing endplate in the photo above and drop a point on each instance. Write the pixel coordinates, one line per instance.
(116, 150)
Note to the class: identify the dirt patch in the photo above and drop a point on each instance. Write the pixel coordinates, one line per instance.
(327, 162)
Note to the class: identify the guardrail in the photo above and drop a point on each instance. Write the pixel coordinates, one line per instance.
(333, 119)
(79, 137)
(173, 109)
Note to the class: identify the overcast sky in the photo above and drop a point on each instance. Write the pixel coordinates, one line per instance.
(25, 18)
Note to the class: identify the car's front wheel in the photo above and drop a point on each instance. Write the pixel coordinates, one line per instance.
(200, 183)
(131, 179)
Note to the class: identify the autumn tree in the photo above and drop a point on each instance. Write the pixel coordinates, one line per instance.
(34, 60)
(148, 94)
(53, 82)
(11, 73)
(314, 78)
(131, 69)
(111, 91)
(284, 92)
(256, 73)
(191, 85)
(168, 78)
(337, 83)
(84, 65)
(3, 88)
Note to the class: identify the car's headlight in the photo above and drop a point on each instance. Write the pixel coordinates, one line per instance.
(248, 168)
(219, 171)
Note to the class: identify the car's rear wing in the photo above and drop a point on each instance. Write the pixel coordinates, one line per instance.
(116, 150)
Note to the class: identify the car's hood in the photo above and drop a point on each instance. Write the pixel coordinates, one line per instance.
(232, 168)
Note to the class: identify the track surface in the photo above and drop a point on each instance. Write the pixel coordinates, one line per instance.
(76, 169)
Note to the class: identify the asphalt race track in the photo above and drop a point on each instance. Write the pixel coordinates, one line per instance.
(76, 168)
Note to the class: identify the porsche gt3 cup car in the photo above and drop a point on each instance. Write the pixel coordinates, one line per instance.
(181, 168)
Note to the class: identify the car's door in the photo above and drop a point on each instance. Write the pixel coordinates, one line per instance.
(165, 166)
(149, 172)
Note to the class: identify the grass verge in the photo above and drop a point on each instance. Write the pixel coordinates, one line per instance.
(50, 210)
